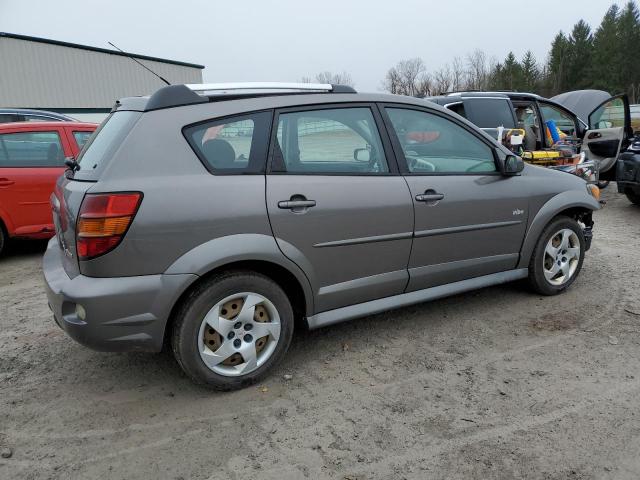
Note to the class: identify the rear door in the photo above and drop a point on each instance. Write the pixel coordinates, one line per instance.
(337, 206)
(609, 130)
(469, 219)
(30, 162)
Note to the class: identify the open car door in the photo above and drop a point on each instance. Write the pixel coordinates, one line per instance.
(608, 134)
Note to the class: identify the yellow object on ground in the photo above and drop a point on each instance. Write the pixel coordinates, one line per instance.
(541, 155)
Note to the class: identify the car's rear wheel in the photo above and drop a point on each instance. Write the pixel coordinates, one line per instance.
(633, 197)
(232, 330)
(558, 256)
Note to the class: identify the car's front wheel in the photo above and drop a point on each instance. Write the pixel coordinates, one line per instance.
(232, 330)
(558, 256)
(3, 239)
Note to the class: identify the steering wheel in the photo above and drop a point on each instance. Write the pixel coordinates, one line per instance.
(413, 162)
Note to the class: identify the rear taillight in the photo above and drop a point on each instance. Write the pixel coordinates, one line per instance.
(104, 219)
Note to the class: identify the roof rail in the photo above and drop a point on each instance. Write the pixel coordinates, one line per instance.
(193, 93)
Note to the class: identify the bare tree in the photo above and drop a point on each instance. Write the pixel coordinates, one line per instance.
(408, 77)
(477, 70)
(457, 75)
(342, 78)
(442, 80)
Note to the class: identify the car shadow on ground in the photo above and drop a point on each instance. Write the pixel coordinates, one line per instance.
(23, 248)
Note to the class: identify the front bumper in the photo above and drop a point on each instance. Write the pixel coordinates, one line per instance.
(121, 313)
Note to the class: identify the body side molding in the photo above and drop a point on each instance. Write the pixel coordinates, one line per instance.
(383, 304)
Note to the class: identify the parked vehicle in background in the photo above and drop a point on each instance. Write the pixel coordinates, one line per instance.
(605, 133)
(628, 172)
(31, 159)
(9, 115)
(635, 119)
(212, 216)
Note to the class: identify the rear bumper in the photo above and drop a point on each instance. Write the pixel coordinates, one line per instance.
(122, 313)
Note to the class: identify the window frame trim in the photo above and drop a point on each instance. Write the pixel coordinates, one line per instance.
(387, 147)
(224, 172)
(62, 148)
(399, 153)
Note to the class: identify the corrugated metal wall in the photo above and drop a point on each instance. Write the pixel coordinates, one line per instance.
(40, 75)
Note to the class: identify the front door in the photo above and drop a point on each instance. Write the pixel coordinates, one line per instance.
(30, 163)
(609, 129)
(337, 206)
(469, 219)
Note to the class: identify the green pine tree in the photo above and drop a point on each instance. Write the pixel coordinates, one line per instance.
(606, 60)
(579, 57)
(530, 72)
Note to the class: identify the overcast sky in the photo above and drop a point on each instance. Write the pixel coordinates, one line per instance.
(284, 40)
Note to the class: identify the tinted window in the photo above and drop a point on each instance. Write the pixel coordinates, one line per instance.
(232, 145)
(342, 140)
(565, 122)
(489, 112)
(81, 138)
(458, 108)
(433, 144)
(108, 137)
(31, 149)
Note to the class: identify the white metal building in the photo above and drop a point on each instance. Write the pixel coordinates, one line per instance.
(79, 80)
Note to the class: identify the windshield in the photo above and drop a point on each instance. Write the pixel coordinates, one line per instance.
(103, 144)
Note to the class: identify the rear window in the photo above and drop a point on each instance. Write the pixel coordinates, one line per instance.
(101, 146)
(232, 144)
(490, 112)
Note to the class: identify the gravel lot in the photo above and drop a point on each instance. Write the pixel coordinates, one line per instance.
(498, 383)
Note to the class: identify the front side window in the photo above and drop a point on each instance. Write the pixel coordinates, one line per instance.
(31, 149)
(432, 144)
(610, 114)
(232, 145)
(341, 140)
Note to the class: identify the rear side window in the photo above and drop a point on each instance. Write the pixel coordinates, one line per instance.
(101, 147)
(232, 144)
(341, 140)
(490, 112)
(31, 149)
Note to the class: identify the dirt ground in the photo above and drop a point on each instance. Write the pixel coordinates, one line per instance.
(498, 383)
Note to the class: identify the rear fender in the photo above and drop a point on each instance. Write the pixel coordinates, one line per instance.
(556, 205)
(223, 251)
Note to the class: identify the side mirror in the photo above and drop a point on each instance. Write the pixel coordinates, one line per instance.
(362, 155)
(512, 165)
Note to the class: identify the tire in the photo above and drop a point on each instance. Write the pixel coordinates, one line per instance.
(3, 239)
(633, 197)
(212, 352)
(566, 264)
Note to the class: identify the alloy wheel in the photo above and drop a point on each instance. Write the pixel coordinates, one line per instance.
(561, 257)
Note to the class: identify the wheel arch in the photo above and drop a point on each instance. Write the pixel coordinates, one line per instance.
(250, 252)
(571, 204)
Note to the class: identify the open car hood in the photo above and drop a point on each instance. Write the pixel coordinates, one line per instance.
(582, 102)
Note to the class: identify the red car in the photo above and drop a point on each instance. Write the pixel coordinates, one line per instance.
(31, 159)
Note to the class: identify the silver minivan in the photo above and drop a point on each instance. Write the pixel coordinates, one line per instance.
(216, 218)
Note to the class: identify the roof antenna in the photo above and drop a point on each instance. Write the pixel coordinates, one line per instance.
(139, 63)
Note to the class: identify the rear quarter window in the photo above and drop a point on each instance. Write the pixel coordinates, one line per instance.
(232, 145)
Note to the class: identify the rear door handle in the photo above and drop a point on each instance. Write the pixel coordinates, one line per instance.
(5, 182)
(295, 204)
(429, 196)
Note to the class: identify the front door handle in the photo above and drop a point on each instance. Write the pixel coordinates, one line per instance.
(593, 135)
(291, 204)
(429, 196)
(5, 182)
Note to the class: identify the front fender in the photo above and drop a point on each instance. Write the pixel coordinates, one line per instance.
(223, 251)
(554, 206)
